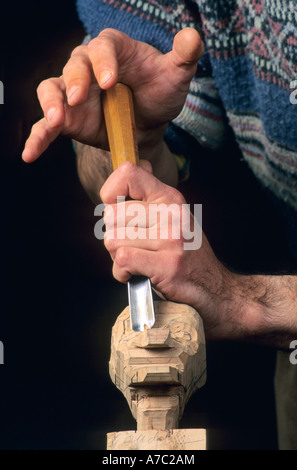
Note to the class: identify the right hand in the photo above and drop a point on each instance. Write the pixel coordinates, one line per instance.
(160, 82)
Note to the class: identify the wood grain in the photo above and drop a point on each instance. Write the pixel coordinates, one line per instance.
(175, 439)
(120, 124)
(159, 369)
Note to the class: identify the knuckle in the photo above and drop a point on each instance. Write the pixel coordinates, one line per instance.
(34, 129)
(128, 168)
(71, 66)
(107, 35)
(109, 243)
(119, 274)
(36, 138)
(93, 44)
(175, 245)
(43, 86)
(78, 50)
(176, 214)
(176, 196)
(65, 69)
(122, 256)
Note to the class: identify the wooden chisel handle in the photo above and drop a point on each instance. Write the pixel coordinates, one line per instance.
(120, 124)
(121, 132)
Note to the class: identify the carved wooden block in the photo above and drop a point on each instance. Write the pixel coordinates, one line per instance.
(175, 439)
(158, 370)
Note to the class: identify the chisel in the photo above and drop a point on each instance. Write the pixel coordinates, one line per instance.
(120, 125)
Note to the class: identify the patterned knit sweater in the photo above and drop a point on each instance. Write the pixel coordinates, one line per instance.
(245, 80)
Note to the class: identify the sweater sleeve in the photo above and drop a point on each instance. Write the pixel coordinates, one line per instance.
(156, 23)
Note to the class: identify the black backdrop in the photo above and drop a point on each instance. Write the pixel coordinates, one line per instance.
(58, 298)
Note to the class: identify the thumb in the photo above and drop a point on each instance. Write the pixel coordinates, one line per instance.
(187, 49)
(135, 182)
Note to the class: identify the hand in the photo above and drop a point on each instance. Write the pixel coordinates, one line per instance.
(194, 277)
(233, 306)
(72, 104)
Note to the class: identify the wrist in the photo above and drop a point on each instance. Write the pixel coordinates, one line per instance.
(257, 308)
(243, 307)
(270, 313)
(228, 309)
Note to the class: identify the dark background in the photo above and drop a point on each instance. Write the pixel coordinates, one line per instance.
(58, 298)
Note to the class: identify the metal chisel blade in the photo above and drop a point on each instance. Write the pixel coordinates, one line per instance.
(141, 303)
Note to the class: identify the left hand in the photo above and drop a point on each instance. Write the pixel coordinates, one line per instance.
(72, 102)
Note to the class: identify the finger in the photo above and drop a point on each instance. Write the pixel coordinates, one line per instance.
(103, 56)
(42, 135)
(134, 261)
(140, 239)
(109, 49)
(134, 237)
(143, 220)
(77, 75)
(126, 213)
(51, 95)
(132, 181)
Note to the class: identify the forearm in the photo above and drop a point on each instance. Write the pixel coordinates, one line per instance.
(257, 308)
(94, 166)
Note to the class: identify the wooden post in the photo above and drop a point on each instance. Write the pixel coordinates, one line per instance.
(158, 370)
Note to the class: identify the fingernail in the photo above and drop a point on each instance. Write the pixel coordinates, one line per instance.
(71, 92)
(105, 76)
(50, 113)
